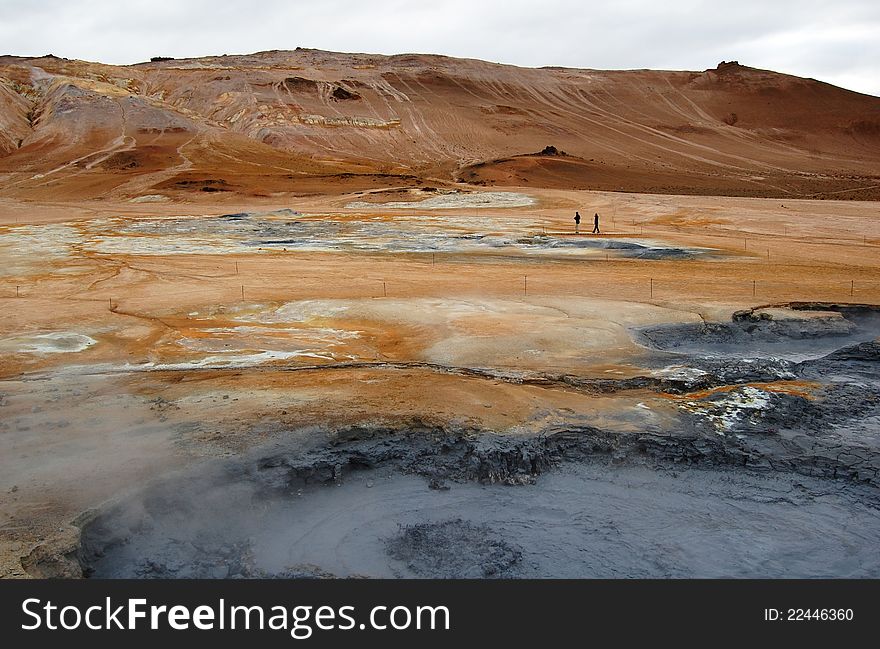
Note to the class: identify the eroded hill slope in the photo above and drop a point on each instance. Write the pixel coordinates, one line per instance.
(305, 121)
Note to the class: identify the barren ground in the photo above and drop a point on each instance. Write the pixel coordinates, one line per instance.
(141, 340)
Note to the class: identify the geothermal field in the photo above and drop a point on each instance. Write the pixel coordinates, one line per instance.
(303, 314)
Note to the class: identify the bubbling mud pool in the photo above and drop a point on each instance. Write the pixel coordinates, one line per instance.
(580, 519)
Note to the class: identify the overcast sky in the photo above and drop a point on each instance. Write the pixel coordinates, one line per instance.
(836, 41)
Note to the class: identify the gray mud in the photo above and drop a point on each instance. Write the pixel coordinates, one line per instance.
(833, 354)
(581, 520)
(759, 335)
(621, 248)
(575, 503)
(453, 549)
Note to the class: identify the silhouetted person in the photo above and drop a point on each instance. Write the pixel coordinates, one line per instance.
(577, 222)
(596, 223)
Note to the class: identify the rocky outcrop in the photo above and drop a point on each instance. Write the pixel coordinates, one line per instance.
(356, 122)
(462, 455)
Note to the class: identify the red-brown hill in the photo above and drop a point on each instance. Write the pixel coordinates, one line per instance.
(309, 121)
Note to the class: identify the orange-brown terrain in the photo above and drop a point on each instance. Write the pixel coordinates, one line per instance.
(310, 121)
(206, 258)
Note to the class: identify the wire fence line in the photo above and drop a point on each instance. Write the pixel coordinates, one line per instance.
(531, 286)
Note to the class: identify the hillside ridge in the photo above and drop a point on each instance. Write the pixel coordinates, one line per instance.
(304, 121)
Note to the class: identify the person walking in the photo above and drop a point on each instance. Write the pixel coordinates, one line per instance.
(596, 223)
(577, 222)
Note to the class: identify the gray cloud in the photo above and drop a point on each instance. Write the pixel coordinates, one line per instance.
(837, 42)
